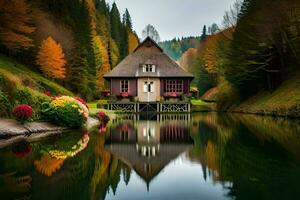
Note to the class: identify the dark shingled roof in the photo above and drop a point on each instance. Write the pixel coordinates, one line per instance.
(165, 67)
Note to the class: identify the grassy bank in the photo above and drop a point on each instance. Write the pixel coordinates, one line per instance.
(285, 101)
(20, 85)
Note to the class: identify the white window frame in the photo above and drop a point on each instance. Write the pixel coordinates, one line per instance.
(121, 85)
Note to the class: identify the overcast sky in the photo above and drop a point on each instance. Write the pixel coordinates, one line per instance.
(174, 18)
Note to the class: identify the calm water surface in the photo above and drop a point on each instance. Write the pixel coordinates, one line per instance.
(202, 156)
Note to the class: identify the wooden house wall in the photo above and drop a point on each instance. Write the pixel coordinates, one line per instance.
(116, 86)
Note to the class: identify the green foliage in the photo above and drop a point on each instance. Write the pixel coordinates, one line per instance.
(176, 47)
(25, 95)
(5, 106)
(67, 115)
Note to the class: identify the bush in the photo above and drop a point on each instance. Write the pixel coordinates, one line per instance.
(22, 112)
(25, 95)
(5, 105)
(66, 111)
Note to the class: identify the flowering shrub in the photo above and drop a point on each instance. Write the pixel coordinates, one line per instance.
(67, 111)
(22, 112)
(124, 94)
(103, 117)
(170, 94)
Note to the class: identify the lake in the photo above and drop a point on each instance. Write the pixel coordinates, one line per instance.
(198, 156)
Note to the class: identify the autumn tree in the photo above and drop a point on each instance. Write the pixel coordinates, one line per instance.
(103, 66)
(16, 24)
(133, 42)
(51, 59)
(114, 56)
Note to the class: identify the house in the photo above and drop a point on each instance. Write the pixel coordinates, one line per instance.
(148, 74)
(147, 146)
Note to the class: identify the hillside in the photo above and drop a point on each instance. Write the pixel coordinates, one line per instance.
(285, 101)
(19, 84)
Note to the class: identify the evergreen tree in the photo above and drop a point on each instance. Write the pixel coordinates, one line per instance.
(77, 80)
(115, 24)
(204, 34)
(127, 20)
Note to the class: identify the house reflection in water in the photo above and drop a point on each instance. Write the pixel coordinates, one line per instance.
(148, 146)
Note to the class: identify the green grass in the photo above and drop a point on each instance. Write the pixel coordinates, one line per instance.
(22, 72)
(283, 101)
(198, 103)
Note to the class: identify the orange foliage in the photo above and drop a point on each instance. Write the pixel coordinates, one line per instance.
(48, 165)
(133, 41)
(51, 59)
(210, 48)
(14, 27)
(92, 13)
(187, 58)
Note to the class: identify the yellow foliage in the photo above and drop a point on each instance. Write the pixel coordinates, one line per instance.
(51, 59)
(133, 42)
(114, 53)
(92, 13)
(14, 27)
(48, 165)
(102, 61)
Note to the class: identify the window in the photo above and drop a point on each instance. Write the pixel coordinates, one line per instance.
(148, 86)
(124, 86)
(148, 68)
(174, 86)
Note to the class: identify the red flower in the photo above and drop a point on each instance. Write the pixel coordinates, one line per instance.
(22, 149)
(103, 117)
(124, 94)
(81, 101)
(47, 93)
(22, 112)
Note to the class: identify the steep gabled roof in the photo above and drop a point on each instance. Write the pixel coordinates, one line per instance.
(148, 52)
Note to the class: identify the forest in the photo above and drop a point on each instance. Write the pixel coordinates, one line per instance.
(71, 42)
(255, 51)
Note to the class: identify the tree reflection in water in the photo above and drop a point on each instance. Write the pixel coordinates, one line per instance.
(250, 157)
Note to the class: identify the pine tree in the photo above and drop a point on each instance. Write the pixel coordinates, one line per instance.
(77, 77)
(127, 20)
(115, 23)
(51, 59)
(15, 26)
(204, 34)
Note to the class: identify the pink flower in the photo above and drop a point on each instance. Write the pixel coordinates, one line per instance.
(81, 101)
(170, 94)
(124, 94)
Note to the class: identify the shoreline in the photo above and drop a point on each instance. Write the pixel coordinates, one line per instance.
(11, 131)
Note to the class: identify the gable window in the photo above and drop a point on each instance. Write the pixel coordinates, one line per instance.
(174, 86)
(148, 68)
(124, 85)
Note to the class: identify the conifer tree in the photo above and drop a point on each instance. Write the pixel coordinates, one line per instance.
(15, 26)
(51, 59)
(77, 80)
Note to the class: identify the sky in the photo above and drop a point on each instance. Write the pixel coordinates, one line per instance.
(174, 18)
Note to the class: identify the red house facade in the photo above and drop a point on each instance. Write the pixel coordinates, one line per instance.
(148, 74)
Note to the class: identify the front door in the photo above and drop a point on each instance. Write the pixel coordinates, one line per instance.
(149, 90)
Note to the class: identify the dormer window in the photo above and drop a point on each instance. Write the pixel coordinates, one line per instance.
(148, 68)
